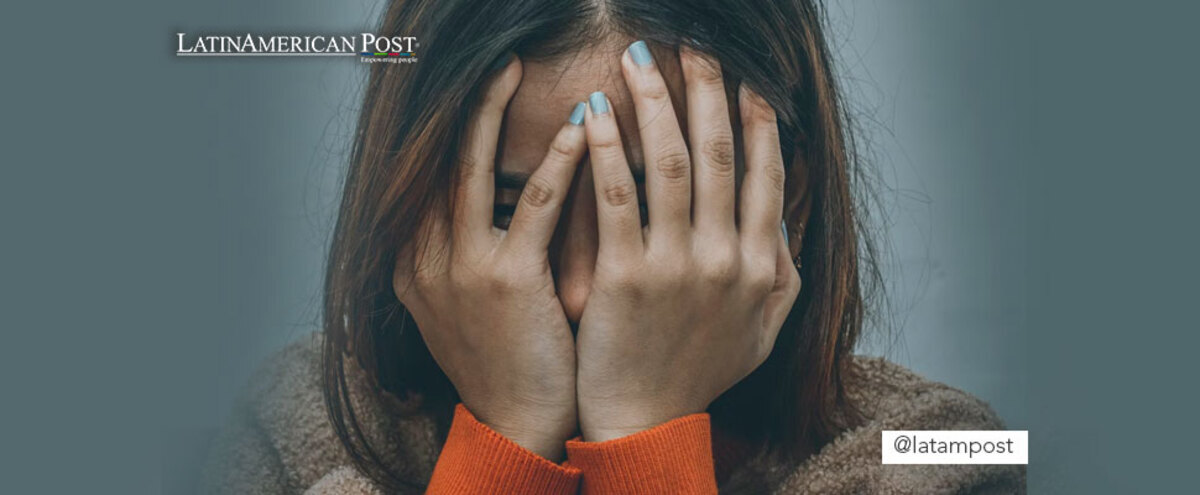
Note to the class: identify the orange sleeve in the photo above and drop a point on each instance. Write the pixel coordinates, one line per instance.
(476, 459)
(674, 457)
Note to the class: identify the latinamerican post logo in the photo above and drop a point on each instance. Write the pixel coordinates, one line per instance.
(369, 47)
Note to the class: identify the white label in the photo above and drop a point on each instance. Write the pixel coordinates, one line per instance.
(956, 447)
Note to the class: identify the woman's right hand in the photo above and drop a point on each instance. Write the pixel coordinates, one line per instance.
(484, 298)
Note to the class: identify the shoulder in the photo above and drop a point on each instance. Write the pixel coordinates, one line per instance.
(891, 396)
(887, 396)
(279, 436)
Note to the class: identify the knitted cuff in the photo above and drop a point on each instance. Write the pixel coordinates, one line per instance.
(476, 459)
(674, 457)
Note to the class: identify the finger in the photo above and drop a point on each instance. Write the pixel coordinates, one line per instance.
(711, 135)
(475, 189)
(783, 295)
(618, 221)
(762, 189)
(668, 164)
(542, 198)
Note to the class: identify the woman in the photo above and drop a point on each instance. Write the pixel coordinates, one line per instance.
(559, 266)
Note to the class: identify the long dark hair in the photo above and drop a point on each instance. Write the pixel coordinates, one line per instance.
(400, 166)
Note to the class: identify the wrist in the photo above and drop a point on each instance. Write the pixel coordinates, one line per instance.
(602, 434)
(599, 425)
(549, 447)
(542, 433)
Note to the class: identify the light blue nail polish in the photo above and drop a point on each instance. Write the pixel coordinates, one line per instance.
(577, 114)
(783, 225)
(599, 103)
(640, 53)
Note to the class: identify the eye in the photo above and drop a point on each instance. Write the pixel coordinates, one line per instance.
(502, 215)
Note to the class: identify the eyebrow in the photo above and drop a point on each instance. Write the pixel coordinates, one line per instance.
(517, 180)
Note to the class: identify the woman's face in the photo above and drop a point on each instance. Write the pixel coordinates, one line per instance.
(545, 97)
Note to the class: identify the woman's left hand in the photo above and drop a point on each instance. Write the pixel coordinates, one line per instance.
(684, 308)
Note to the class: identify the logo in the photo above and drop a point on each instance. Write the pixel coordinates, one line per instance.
(367, 46)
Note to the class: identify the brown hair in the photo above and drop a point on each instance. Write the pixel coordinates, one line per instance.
(413, 114)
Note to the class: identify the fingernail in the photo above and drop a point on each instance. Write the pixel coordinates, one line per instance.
(783, 226)
(640, 53)
(577, 114)
(599, 103)
(501, 62)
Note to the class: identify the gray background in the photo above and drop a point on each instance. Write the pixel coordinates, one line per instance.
(165, 220)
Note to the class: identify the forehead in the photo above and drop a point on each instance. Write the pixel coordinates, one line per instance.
(550, 89)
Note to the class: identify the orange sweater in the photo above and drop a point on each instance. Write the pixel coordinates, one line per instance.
(674, 457)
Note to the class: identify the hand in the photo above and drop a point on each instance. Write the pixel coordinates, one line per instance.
(484, 298)
(686, 307)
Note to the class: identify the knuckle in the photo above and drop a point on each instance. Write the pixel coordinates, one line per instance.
(702, 67)
(775, 175)
(500, 274)
(673, 163)
(500, 277)
(538, 192)
(721, 267)
(720, 155)
(759, 113)
(764, 116)
(708, 73)
(723, 274)
(608, 147)
(622, 279)
(656, 92)
(620, 193)
(560, 151)
(761, 281)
